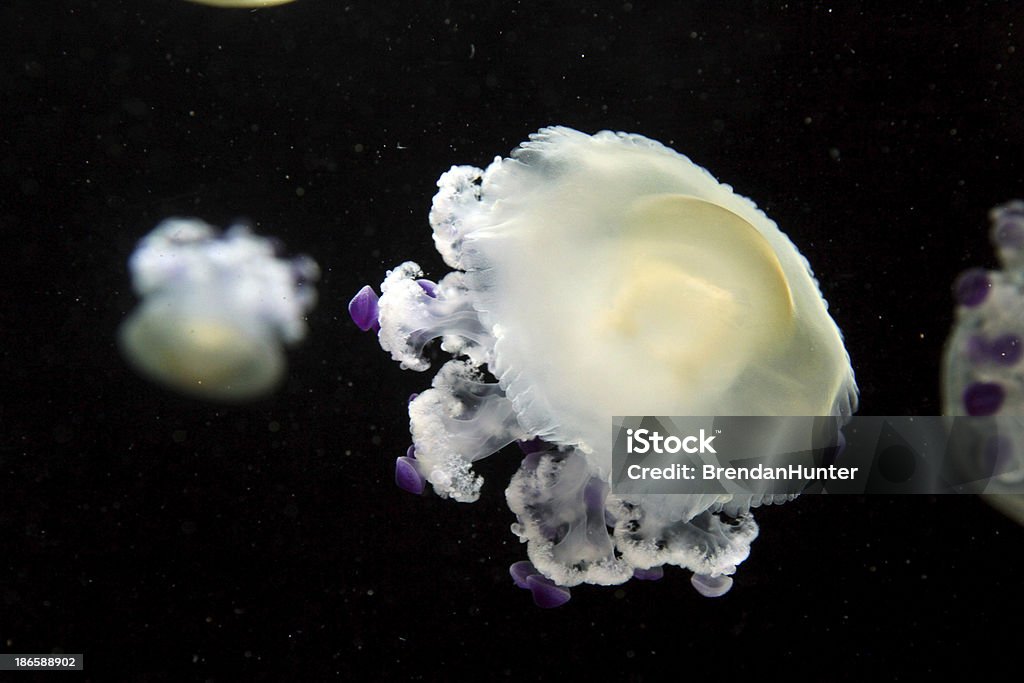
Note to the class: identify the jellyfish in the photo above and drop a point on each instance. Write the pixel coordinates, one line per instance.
(982, 373)
(241, 3)
(215, 310)
(595, 276)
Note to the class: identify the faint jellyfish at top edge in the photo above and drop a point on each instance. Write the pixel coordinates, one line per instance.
(245, 4)
(215, 311)
(982, 373)
(596, 276)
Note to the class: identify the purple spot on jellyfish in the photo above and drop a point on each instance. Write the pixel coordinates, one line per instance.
(559, 256)
(1006, 349)
(972, 287)
(983, 398)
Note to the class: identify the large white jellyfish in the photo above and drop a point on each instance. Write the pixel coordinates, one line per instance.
(215, 310)
(598, 276)
(983, 374)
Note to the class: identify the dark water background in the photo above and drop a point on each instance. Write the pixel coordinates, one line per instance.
(172, 540)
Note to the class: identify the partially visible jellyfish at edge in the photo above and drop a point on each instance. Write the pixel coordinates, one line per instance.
(216, 310)
(241, 4)
(982, 373)
(596, 276)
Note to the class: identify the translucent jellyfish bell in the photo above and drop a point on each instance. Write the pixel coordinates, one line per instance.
(215, 311)
(598, 276)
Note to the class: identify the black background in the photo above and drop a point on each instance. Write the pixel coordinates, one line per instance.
(173, 540)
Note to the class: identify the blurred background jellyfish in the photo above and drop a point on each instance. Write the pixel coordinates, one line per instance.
(597, 276)
(982, 372)
(215, 310)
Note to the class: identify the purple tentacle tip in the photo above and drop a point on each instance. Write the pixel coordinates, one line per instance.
(521, 571)
(364, 310)
(407, 476)
(652, 574)
(429, 287)
(711, 586)
(545, 593)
